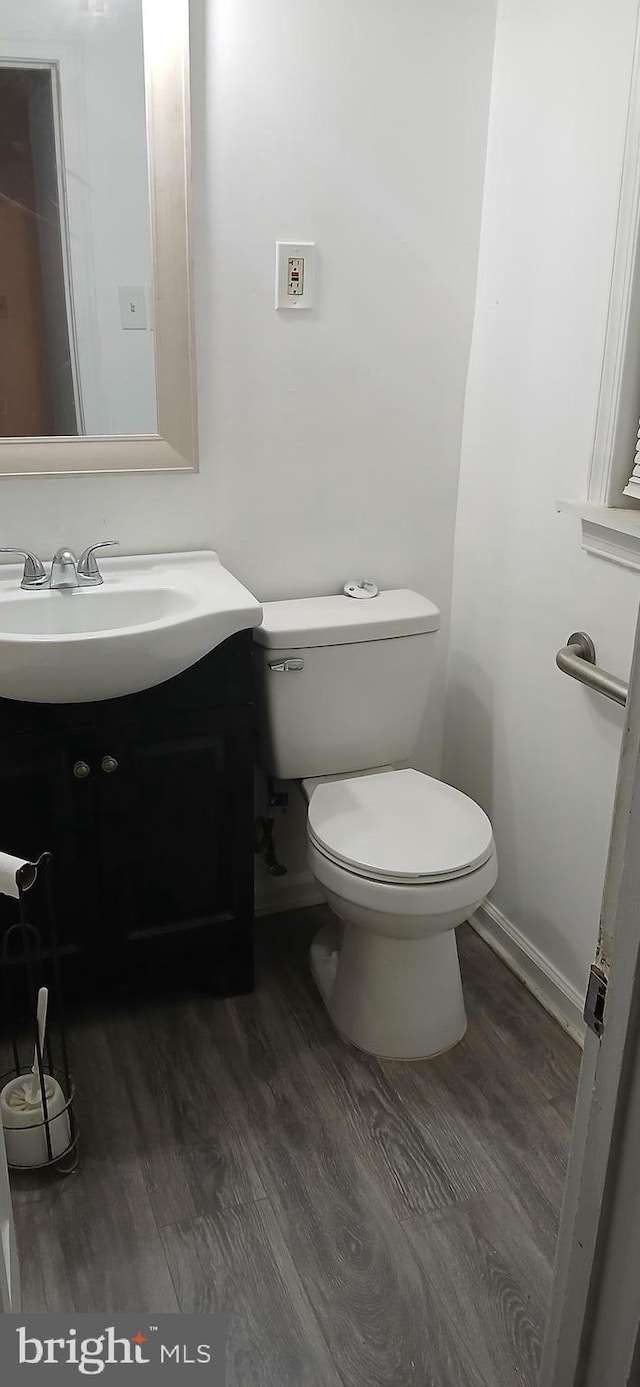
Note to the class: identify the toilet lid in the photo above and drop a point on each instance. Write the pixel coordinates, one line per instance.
(399, 826)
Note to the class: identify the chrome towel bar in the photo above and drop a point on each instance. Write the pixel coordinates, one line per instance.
(578, 658)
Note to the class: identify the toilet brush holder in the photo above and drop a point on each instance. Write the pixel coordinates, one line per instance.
(36, 1092)
(35, 1133)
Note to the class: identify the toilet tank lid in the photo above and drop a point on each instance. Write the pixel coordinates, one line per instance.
(304, 622)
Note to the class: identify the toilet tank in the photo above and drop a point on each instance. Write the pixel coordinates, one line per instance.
(343, 681)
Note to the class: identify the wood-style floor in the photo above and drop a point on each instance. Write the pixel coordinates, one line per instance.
(363, 1222)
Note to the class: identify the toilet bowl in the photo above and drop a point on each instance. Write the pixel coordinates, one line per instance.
(402, 858)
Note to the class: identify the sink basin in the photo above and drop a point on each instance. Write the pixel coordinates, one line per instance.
(79, 613)
(152, 618)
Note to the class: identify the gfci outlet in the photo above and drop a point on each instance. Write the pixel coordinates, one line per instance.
(295, 272)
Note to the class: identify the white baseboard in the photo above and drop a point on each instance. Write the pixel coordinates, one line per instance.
(291, 892)
(539, 976)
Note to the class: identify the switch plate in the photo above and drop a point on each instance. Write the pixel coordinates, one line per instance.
(295, 274)
(133, 307)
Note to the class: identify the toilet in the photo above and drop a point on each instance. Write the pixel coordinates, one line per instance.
(401, 857)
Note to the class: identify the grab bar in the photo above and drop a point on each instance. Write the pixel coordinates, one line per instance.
(578, 658)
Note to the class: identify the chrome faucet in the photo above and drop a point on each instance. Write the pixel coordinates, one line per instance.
(89, 575)
(34, 575)
(66, 570)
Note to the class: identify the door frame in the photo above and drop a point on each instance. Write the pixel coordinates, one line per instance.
(593, 1330)
(66, 61)
(9, 1269)
(52, 66)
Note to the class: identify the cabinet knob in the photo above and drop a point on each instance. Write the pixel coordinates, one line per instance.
(109, 764)
(81, 770)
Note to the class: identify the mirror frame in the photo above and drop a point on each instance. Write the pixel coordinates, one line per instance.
(174, 448)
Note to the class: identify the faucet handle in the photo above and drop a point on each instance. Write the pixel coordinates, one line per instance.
(88, 570)
(34, 575)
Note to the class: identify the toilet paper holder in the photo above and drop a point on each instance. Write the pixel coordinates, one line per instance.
(47, 1136)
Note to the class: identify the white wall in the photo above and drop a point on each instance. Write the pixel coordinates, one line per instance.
(119, 229)
(329, 442)
(536, 749)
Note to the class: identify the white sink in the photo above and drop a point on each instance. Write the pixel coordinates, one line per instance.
(153, 617)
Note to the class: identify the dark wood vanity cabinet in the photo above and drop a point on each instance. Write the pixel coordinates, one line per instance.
(146, 803)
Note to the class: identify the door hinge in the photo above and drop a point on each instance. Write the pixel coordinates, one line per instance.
(594, 1002)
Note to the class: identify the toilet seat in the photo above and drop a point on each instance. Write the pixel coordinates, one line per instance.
(400, 827)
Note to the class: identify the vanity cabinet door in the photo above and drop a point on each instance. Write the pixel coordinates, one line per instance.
(175, 832)
(47, 803)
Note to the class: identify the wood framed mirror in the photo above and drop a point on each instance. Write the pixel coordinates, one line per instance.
(97, 366)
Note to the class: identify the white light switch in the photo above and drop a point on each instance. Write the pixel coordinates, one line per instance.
(295, 267)
(133, 308)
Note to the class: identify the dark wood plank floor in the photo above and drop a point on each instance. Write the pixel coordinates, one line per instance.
(363, 1222)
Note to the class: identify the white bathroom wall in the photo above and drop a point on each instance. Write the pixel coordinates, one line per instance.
(329, 441)
(119, 230)
(536, 749)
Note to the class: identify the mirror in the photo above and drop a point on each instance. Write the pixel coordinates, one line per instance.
(96, 354)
